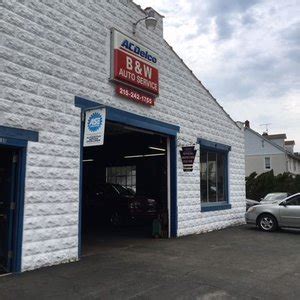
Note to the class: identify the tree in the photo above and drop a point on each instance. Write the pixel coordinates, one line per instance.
(257, 186)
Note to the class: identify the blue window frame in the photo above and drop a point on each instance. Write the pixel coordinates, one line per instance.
(214, 175)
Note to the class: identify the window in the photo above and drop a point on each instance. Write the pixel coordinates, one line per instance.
(213, 176)
(267, 163)
(125, 176)
(294, 201)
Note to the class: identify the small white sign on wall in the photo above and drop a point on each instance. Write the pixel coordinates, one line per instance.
(94, 127)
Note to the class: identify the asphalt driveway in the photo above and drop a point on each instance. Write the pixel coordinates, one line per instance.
(234, 263)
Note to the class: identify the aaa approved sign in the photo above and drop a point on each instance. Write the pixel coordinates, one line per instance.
(94, 127)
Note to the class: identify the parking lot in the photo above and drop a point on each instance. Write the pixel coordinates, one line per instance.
(234, 263)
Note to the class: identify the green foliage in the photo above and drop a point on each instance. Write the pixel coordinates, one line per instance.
(258, 186)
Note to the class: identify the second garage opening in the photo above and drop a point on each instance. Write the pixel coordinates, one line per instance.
(125, 186)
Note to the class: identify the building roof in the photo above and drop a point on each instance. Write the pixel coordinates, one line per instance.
(289, 143)
(199, 81)
(265, 137)
(150, 8)
(186, 66)
(275, 136)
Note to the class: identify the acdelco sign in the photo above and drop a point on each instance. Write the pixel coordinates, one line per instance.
(137, 50)
(134, 64)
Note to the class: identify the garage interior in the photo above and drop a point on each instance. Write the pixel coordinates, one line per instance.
(124, 187)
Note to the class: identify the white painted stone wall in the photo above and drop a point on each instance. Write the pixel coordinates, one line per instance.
(53, 50)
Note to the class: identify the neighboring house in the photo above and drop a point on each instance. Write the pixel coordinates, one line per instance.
(269, 152)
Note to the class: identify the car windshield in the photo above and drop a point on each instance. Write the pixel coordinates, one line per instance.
(122, 190)
(274, 197)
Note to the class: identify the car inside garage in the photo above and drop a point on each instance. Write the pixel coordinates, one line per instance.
(124, 187)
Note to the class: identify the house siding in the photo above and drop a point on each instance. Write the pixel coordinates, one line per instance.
(256, 163)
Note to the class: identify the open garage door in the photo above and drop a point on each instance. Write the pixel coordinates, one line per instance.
(125, 187)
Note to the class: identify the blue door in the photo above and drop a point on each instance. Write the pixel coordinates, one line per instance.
(8, 182)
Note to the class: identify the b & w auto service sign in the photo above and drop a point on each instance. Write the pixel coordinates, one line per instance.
(94, 127)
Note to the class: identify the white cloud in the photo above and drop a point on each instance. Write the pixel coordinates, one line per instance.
(245, 52)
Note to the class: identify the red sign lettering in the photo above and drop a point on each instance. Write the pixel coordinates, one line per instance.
(134, 95)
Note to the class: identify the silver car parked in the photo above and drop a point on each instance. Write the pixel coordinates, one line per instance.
(283, 213)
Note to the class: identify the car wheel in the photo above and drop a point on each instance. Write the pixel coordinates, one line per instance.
(116, 219)
(267, 222)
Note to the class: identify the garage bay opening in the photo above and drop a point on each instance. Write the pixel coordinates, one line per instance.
(125, 187)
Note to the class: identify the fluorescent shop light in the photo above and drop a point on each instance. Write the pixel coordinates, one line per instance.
(159, 149)
(133, 156)
(144, 155)
(156, 154)
(87, 160)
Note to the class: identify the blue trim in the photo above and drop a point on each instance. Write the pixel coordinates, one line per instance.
(21, 146)
(80, 188)
(213, 145)
(86, 104)
(127, 118)
(20, 211)
(12, 142)
(116, 115)
(226, 179)
(17, 133)
(11, 214)
(173, 180)
(120, 116)
(18, 138)
(215, 207)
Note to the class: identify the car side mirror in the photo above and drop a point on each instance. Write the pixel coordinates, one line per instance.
(283, 203)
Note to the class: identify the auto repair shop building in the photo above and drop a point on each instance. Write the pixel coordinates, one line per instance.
(73, 66)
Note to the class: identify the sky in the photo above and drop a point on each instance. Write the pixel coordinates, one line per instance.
(245, 52)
